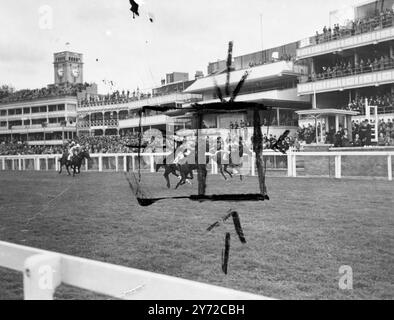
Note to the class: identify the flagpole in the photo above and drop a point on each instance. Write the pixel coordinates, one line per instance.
(261, 31)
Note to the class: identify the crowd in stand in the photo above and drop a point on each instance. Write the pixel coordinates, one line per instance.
(362, 133)
(96, 144)
(284, 57)
(115, 98)
(22, 148)
(348, 66)
(50, 91)
(385, 103)
(379, 20)
(361, 136)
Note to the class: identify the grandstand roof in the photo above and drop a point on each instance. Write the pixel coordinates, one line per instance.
(316, 112)
(266, 71)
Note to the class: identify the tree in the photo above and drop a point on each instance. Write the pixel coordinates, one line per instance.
(6, 90)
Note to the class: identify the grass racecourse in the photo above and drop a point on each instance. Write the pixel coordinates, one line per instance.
(296, 242)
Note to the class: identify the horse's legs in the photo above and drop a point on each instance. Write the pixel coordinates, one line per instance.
(61, 168)
(228, 172)
(68, 170)
(221, 172)
(166, 176)
(191, 176)
(183, 179)
(174, 173)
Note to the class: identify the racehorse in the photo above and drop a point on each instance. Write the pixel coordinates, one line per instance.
(224, 156)
(168, 169)
(232, 158)
(75, 162)
(186, 171)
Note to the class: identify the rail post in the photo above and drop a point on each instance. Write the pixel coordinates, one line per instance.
(41, 276)
(3, 164)
(389, 168)
(152, 163)
(294, 165)
(125, 163)
(133, 163)
(100, 163)
(338, 165)
(253, 164)
(117, 163)
(289, 164)
(19, 164)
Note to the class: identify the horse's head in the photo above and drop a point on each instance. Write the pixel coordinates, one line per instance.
(158, 166)
(85, 154)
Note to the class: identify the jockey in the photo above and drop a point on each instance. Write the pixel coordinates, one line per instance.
(182, 156)
(73, 151)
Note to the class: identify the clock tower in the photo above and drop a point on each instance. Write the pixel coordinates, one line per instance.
(68, 67)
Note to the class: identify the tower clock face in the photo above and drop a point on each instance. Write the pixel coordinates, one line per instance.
(60, 72)
(75, 72)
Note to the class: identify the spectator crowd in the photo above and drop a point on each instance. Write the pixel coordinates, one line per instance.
(116, 97)
(8, 96)
(362, 134)
(349, 66)
(384, 102)
(378, 20)
(97, 144)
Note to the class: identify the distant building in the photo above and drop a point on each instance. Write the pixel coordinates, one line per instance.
(119, 113)
(47, 115)
(272, 81)
(177, 77)
(351, 65)
(68, 67)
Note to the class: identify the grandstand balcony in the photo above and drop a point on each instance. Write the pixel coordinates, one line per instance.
(371, 33)
(145, 122)
(23, 129)
(357, 79)
(115, 105)
(98, 124)
(276, 98)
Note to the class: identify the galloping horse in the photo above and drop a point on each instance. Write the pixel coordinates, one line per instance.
(186, 171)
(168, 169)
(75, 162)
(231, 159)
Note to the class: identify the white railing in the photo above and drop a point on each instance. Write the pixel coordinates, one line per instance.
(129, 161)
(292, 160)
(44, 271)
(116, 162)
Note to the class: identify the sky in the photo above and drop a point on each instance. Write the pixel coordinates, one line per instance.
(185, 36)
